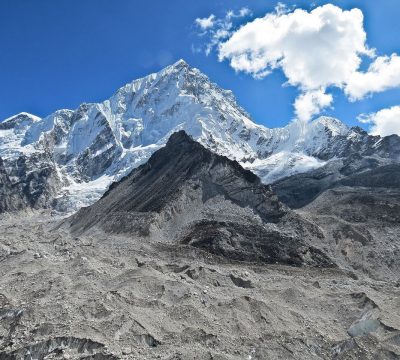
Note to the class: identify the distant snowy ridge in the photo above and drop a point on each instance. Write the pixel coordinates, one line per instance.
(96, 144)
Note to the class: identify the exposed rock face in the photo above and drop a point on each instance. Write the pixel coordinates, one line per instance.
(10, 198)
(29, 178)
(28, 182)
(355, 170)
(357, 141)
(19, 122)
(193, 196)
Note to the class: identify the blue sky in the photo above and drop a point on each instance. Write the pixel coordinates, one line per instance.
(58, 54)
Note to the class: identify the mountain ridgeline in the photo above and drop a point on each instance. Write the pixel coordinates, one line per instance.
(68, 159)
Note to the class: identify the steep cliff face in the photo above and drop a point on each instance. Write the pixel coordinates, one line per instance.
(10, 199)
(28, 182)
(30, 175)
(189, 195)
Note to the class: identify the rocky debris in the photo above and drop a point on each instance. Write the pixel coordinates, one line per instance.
(60, 348)
(361, 228)
(145, 298)
(245, 242)
(365, 348)
(9, 320)
(355, 200)
(240, 282)
(363, 326)
(189, 194)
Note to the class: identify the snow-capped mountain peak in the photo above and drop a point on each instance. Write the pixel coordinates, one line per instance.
(99, 143)
(22, 119)
(335, 126)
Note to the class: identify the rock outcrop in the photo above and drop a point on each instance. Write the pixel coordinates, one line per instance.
(189, 195)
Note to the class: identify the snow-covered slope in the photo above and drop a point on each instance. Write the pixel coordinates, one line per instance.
(99, 143)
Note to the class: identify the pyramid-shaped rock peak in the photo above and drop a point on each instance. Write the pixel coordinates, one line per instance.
(189, 195)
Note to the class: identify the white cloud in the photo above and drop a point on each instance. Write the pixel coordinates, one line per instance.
(206, 23)
(244, 12)
(310, 103)
(382, 74)
(218, 29)
(316, 50)
(241, 13)
(384, 122)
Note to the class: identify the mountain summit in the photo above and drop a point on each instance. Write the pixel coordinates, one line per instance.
(83, 151)
(186, 194)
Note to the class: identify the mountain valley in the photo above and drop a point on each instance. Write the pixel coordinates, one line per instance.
(164, 223)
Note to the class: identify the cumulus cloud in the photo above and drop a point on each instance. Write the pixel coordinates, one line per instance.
(382, 74)
(316, 50)
(384, 122)
(206, 23)
(310, 103)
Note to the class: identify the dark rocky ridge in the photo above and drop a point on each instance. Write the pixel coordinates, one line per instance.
(359, 142)
(355, 170)
(189, 195)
